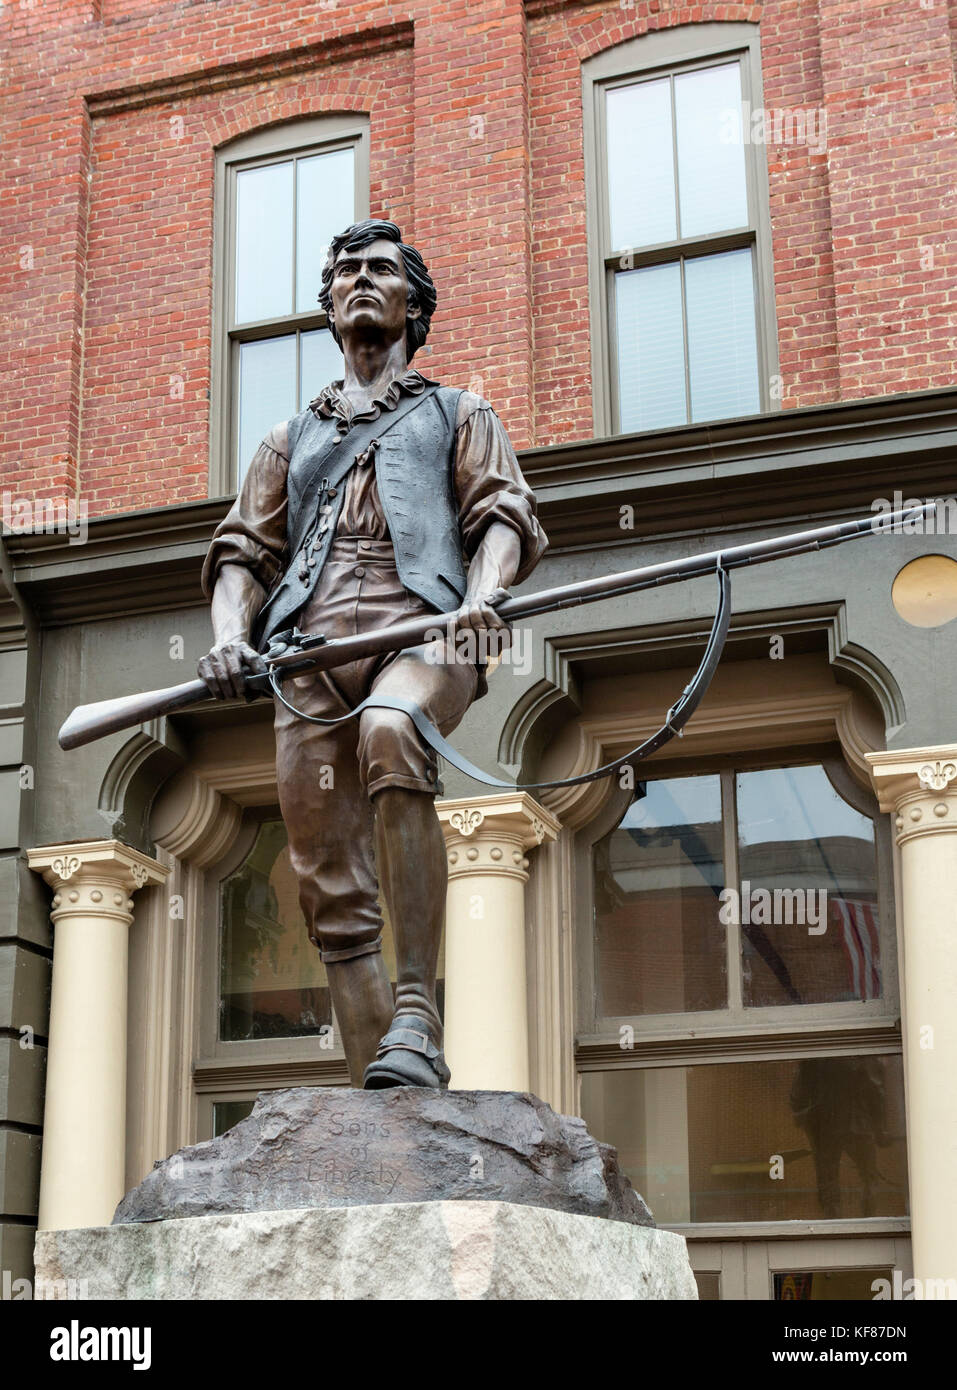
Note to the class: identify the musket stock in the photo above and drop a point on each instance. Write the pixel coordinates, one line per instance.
(90, 722)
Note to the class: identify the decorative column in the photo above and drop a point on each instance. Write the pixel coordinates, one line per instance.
(486, 995)
(82, 1175)
(919, 787)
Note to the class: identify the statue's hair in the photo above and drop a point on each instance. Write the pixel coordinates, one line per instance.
(421, 289)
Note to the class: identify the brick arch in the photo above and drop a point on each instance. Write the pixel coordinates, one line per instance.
(595, 34)
(261, 110)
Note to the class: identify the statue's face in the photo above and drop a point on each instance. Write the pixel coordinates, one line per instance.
(370, 291)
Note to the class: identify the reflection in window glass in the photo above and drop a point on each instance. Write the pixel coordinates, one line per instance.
(227, 1113)
(808, 864)
(272, 982)
(659, 943)
(697, 1141)
(829, 1285)
(264, 268)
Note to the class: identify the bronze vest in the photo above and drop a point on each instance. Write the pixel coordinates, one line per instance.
(414, 448)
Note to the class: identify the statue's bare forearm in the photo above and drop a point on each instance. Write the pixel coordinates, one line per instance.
(494, 566)
(237, 598)
(495, 563)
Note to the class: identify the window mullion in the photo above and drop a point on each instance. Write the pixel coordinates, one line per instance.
(674, 153)
(684, 338)
(295, 245)
(729, 817)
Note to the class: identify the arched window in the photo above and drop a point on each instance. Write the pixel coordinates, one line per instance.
(281, 195)
(681, 290)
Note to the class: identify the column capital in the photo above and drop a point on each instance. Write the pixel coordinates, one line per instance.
(96, 876)
(918, 785)
(490, 834)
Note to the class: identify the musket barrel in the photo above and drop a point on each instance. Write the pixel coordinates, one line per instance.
(730, 557)
(90, 722)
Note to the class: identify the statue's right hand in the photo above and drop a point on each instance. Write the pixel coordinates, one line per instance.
(226, 667)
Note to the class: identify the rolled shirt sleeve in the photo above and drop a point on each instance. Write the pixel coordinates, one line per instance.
(253, 531)
(489, 485)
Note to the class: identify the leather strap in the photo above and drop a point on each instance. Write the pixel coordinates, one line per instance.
(675, 720)
(409, 1040)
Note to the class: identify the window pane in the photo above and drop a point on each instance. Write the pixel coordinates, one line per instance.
(326, 206)
(709, 1285)
(701, 1143)
(641, 178)
(227, 1113)
(712, 191)
(830, 1285)
(272, 982)
(263, 242)
(320, 362)
(651, 366)
(722, 336)
(660, 946)
(805, 853)
(267, 391)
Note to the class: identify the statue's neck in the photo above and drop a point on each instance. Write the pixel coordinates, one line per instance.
(370, 369)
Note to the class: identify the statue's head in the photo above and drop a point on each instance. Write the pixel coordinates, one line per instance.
(352, 246)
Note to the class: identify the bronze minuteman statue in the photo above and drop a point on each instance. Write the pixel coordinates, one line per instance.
(361, 511)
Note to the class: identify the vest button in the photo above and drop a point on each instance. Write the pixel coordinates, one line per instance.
(337, 439)
(359, 571)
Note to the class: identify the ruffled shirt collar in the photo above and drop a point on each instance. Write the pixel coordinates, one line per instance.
(330, 400)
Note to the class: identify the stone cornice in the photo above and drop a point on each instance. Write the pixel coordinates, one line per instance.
(715, 476)
(697, 479)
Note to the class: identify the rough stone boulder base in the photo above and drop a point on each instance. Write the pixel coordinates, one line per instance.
(326, 1147)
(413, 1250)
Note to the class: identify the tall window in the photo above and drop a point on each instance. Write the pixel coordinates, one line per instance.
(274, 1008)
(739, 1036)
(679, 221)
(284, 194)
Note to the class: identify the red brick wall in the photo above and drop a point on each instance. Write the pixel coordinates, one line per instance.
(475, 111)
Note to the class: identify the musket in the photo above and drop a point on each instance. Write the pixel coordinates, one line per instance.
(90, 722)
